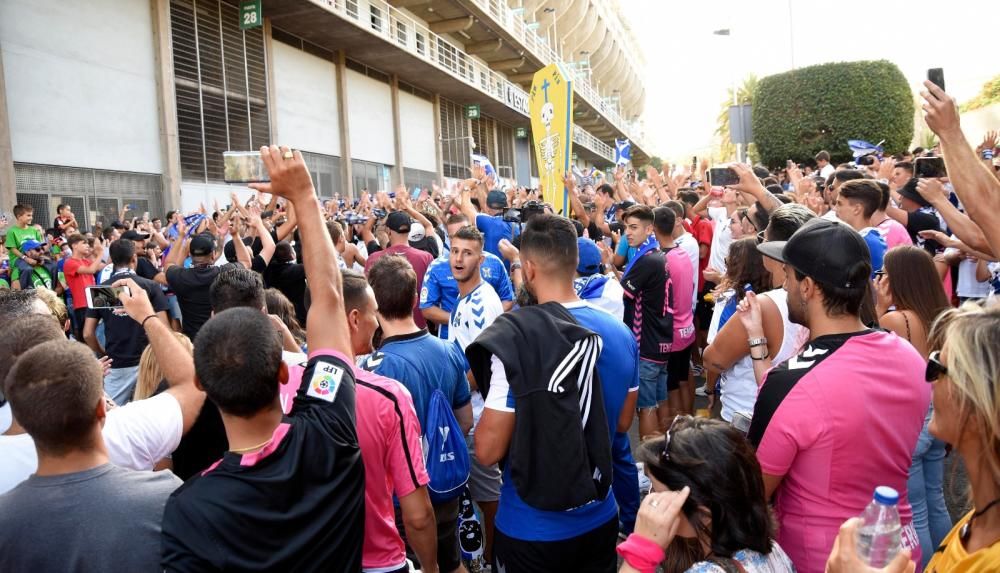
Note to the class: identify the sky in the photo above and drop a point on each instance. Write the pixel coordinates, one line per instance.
(689, 69)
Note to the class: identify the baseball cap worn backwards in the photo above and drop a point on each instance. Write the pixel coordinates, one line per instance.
(398, 221)
(830, 253)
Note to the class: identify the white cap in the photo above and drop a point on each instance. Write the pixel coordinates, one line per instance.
(417, 232)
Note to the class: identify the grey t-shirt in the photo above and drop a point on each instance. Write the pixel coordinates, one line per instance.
(102, 519)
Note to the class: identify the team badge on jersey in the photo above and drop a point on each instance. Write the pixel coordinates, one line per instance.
(325, 381)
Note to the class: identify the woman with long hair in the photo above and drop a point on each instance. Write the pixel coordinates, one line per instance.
(150, 374)
(908, 283)
(279, 305)
(707, 511)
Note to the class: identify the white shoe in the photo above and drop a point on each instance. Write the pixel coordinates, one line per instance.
(700, 391)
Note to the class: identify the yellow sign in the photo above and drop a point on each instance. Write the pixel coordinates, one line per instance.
(551, 104)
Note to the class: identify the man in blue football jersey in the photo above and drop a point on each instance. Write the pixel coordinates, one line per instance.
(440, 291)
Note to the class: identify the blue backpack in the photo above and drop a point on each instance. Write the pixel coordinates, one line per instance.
(446, 455)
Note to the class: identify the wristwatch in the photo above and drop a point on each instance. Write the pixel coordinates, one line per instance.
(754, 342)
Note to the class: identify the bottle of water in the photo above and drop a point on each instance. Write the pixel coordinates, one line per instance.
(879, 535)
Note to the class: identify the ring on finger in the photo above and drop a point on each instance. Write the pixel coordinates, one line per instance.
(288, 154)
(654, 503)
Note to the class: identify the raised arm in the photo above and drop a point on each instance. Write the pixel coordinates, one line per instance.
(266, 240)
(326, 322)
(978, 189)
(174, 360)
(959, 223)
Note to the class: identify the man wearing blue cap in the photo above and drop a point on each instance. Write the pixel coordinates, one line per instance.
(35, 269)
(592, 285)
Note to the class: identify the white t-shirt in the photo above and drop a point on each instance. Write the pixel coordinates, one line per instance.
(20, 460)
(689, 245)
(968, 286)
(143, 432)
(827, 171)
(471, 315)
(137, 436)
(5, 417)
(722, 237)
(831, 215)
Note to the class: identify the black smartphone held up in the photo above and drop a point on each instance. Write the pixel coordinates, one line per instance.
(722, 177)
(105, 296)
(936, 77)
(929, 167)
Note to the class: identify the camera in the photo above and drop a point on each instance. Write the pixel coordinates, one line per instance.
(526, 212)
(865, 160)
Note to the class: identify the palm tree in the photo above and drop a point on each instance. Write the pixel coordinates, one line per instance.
(745, 93)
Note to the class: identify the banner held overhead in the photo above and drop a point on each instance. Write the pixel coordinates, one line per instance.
(551, 103)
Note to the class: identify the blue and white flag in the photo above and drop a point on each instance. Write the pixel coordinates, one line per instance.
(860, 147)
(478, 159)
(623, 151)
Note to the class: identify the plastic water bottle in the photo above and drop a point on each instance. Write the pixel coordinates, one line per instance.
(879, 535)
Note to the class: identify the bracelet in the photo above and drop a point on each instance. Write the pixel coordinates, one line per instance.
(515, 266)
(143, 323)
(765, 357)
(641, 553)
(754, 342)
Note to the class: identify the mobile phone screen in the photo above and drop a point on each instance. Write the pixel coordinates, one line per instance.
(936, 77)
(104, 296)
(722, 176)
(929, 167)
(243, 167)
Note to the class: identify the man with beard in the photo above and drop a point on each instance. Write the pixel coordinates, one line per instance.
(843, 416)
(556, 511)
(478, 306)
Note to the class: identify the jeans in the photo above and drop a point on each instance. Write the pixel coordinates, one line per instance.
(925, 490)
(120, 384)
(625, 482)
(652, 383)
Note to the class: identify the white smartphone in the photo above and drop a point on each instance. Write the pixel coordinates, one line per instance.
(100, 296)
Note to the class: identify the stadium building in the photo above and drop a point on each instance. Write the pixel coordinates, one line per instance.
(114, 105)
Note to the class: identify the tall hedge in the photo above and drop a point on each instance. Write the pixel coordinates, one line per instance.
(798, 113)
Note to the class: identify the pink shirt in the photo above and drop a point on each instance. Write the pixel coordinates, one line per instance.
(844, 417)
(389, 437)
(682, 280)
(894, 233)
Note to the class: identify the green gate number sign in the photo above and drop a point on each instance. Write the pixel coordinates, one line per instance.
(250, 14)
(472, 111)
(521, 132)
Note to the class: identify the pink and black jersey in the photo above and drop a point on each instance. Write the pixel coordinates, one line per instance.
(648, 304)
(835, 421)
(296, 505)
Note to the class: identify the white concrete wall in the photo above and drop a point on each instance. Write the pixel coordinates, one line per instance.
(306, 95)
(81, 84)
(416, 118)
(369, 103)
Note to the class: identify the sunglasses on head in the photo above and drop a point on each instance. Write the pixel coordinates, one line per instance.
(880, 273)
(670, 432)
(935, 368)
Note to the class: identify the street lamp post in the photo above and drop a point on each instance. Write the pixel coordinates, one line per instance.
(555, 33)
(736, 97)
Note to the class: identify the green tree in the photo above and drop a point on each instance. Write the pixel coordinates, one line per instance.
(988, 95)
(800, 112)
(744, 95)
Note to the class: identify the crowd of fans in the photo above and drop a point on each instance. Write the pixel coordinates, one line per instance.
(447, 380)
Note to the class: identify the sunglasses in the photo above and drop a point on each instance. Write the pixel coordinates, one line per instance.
(670, 432)
(935, 368)
(879, 273)
(760, 237)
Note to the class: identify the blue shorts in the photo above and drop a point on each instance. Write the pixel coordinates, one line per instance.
(652, 383)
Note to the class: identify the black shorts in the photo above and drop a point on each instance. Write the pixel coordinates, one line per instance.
(79, 318)
(678, 367)
(592, 552)
(703, 310)
(449, 551)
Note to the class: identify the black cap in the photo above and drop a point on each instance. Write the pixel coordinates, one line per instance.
(230, 249)
(134, 235)
(202, 245)
(398, 221)
(910, 192)
(831, 253)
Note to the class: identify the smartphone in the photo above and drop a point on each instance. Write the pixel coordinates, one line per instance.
(722, 176)
(415, 194)
(105, 296)
(936, 77)
(929, 167)
(741, 422)
(244, 167)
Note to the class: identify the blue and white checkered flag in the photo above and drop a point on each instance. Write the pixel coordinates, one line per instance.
(487, 166)
(623, 151)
